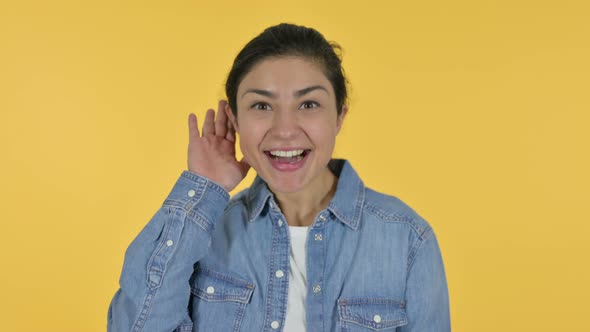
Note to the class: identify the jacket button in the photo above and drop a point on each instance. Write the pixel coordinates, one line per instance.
(191, 193)
(274, 324)
(377, 319)
(210, 290)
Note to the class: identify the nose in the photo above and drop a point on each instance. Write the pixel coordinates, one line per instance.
(285, 124)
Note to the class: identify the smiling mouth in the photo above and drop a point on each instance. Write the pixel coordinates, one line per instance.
(291, 156)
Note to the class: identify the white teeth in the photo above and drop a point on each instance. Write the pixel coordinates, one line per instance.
(292, 153)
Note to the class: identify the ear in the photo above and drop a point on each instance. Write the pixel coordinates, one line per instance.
(231, 117)
(340, 118)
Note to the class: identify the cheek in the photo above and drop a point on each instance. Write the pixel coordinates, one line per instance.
(249, 140)
(323, 136)
(245, 141)
(248, 151)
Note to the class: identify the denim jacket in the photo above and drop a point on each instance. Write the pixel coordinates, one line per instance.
(208, 263)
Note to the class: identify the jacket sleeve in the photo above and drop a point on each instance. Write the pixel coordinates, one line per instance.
(154, 288)
(427, 298)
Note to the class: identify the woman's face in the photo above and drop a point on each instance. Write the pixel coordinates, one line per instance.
(287, 122)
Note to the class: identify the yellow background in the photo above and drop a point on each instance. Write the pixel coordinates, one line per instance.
(473, 112)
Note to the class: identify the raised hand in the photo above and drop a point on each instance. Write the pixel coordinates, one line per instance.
(213, 154)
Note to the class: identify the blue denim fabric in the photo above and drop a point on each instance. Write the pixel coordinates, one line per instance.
(208, 263)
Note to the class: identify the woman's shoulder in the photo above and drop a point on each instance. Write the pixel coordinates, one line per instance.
(390, 209)
(239, 199)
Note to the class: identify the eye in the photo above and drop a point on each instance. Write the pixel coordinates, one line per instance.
(309, 105)
(260, 106)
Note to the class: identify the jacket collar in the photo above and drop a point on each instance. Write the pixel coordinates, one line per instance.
(346, 205)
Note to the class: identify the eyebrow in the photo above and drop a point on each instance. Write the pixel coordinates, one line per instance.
(297, 93)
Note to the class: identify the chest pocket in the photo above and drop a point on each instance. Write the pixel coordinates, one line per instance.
(218, 300)
(371, 314)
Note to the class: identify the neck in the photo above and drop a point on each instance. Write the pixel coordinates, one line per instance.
(302, 207)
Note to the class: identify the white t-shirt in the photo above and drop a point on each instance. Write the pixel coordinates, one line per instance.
(295, 319)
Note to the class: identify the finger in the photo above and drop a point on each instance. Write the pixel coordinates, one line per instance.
(221, 120)
(209, 126)
(193, 128)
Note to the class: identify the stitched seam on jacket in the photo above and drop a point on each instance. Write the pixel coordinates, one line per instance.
(196, 218)
(386, 217)
(239, 316)
(140, 321)
(417, 249)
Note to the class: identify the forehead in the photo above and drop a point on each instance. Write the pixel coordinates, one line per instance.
(285, 73)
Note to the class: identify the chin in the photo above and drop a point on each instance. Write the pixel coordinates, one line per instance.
(283, 183)
(286, 187)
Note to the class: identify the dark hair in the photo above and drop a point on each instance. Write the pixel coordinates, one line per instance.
(288, 40)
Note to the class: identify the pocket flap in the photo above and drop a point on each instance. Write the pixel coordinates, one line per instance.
(373, 313)
(215, 286)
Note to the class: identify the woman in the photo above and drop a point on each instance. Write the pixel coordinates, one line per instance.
(307, 246)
